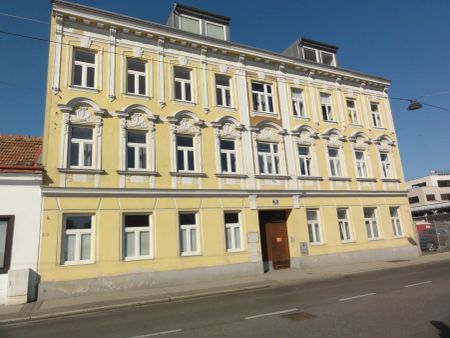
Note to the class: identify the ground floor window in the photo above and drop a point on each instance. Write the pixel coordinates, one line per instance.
(370, 221)
(6, 237)
(233, 231)
(188, 234)
(395, 220)
(77, 241)
(313, 226)
(344, 227)
(137, 235)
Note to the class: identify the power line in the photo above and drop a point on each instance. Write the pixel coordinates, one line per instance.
(24, 18)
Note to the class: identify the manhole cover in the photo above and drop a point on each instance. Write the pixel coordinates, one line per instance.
(397, 261)
(299, 315)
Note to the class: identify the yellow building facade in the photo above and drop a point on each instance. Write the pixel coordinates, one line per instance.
(173, 155)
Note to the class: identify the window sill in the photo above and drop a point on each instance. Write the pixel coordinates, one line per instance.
(227, 109)
(81, 171)
(379, 128)
(347, 179)
(230, 175)
(330, 121)
(395, 180)
(85, 89)
(235, 250)
(355, 125)
(375, 239)
(77, 263)
(312, 178)
(184, 103)
(131, 259)
(302, 118)
(316, 244)
(137, 173)
(348, 241)
(183, 254)
(187, 174)
(137, 96)
(399, 237)
(261, 113)
(273, 177)
(366, 179)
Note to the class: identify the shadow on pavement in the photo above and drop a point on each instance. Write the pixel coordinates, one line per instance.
(444, 330)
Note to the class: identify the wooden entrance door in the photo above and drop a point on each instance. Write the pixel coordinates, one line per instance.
(278, 245)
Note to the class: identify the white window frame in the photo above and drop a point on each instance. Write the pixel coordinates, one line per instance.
(183, 83)
(185, 150)
(136, 75)
(371, 223)
(345, 232)
(333, 56)
(313, 49)
(305, 158)
(376, 115)
(84, 66)
(188, 228)
(233, 227)
(361, 165)
(223, 89)
(396, 222)
(78, 234)
(352, 111)
(328, 107)
(263, 98)
(228, 153)
(386, 166)
(273, 157)
(136, 147)
(137, 238)
(193, 18)
(314, 225)
(298, 104)
(81, 144)
(218, 25)
(335, 163)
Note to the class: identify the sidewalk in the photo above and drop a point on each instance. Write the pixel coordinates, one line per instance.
(128, 298)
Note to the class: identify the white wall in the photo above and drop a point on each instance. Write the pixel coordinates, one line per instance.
(21, 198)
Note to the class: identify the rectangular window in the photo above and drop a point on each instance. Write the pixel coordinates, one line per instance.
(431, 197)
(327, 58)
(185, 153)
(442, 183)
(325, 102)
(395, 221)
(6, 239)
(215, 31)
(312, 218)
(136, 83)
(136, 150)
(370, 221)
(77, 240)
(385, 165)
(361, 168)
(262, 97)
(232, 231)
(228, 156)
(83, 69)
(344, 227)
(414, 199)
(309, 54)
(189, 24)
(136, 237)
(305, 161)
(376, 116)
(188, 234)
(80, 147)
(223, 91)
(335, 162)
(297, 102)
(351, 111)
(445, 197)
(183, 84)
(268, 158)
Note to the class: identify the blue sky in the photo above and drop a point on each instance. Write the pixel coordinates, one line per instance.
(405, 41)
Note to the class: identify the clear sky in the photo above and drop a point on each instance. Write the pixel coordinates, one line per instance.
(405, 41)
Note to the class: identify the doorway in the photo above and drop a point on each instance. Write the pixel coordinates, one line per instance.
(274, 239)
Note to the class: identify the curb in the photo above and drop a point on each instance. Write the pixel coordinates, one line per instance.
(30, 318)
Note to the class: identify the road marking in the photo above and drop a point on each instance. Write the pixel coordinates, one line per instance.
(426, 282)
(272, 313)
(157, 333)
(360, 296)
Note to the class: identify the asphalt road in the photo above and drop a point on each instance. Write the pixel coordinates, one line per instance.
(406, 302)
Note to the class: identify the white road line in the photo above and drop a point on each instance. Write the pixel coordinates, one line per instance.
(360, 296)
(157, 333)
(272, 313)
(426, 282)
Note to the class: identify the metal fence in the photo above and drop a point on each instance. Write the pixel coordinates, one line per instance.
(437, 236)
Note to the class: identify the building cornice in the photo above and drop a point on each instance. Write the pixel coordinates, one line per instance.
(143, 28)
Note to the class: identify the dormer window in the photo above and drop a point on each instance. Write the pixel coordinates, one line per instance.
(327, 58)
(190, 24)
(313, 51)
(215, 31)
(310, 54)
